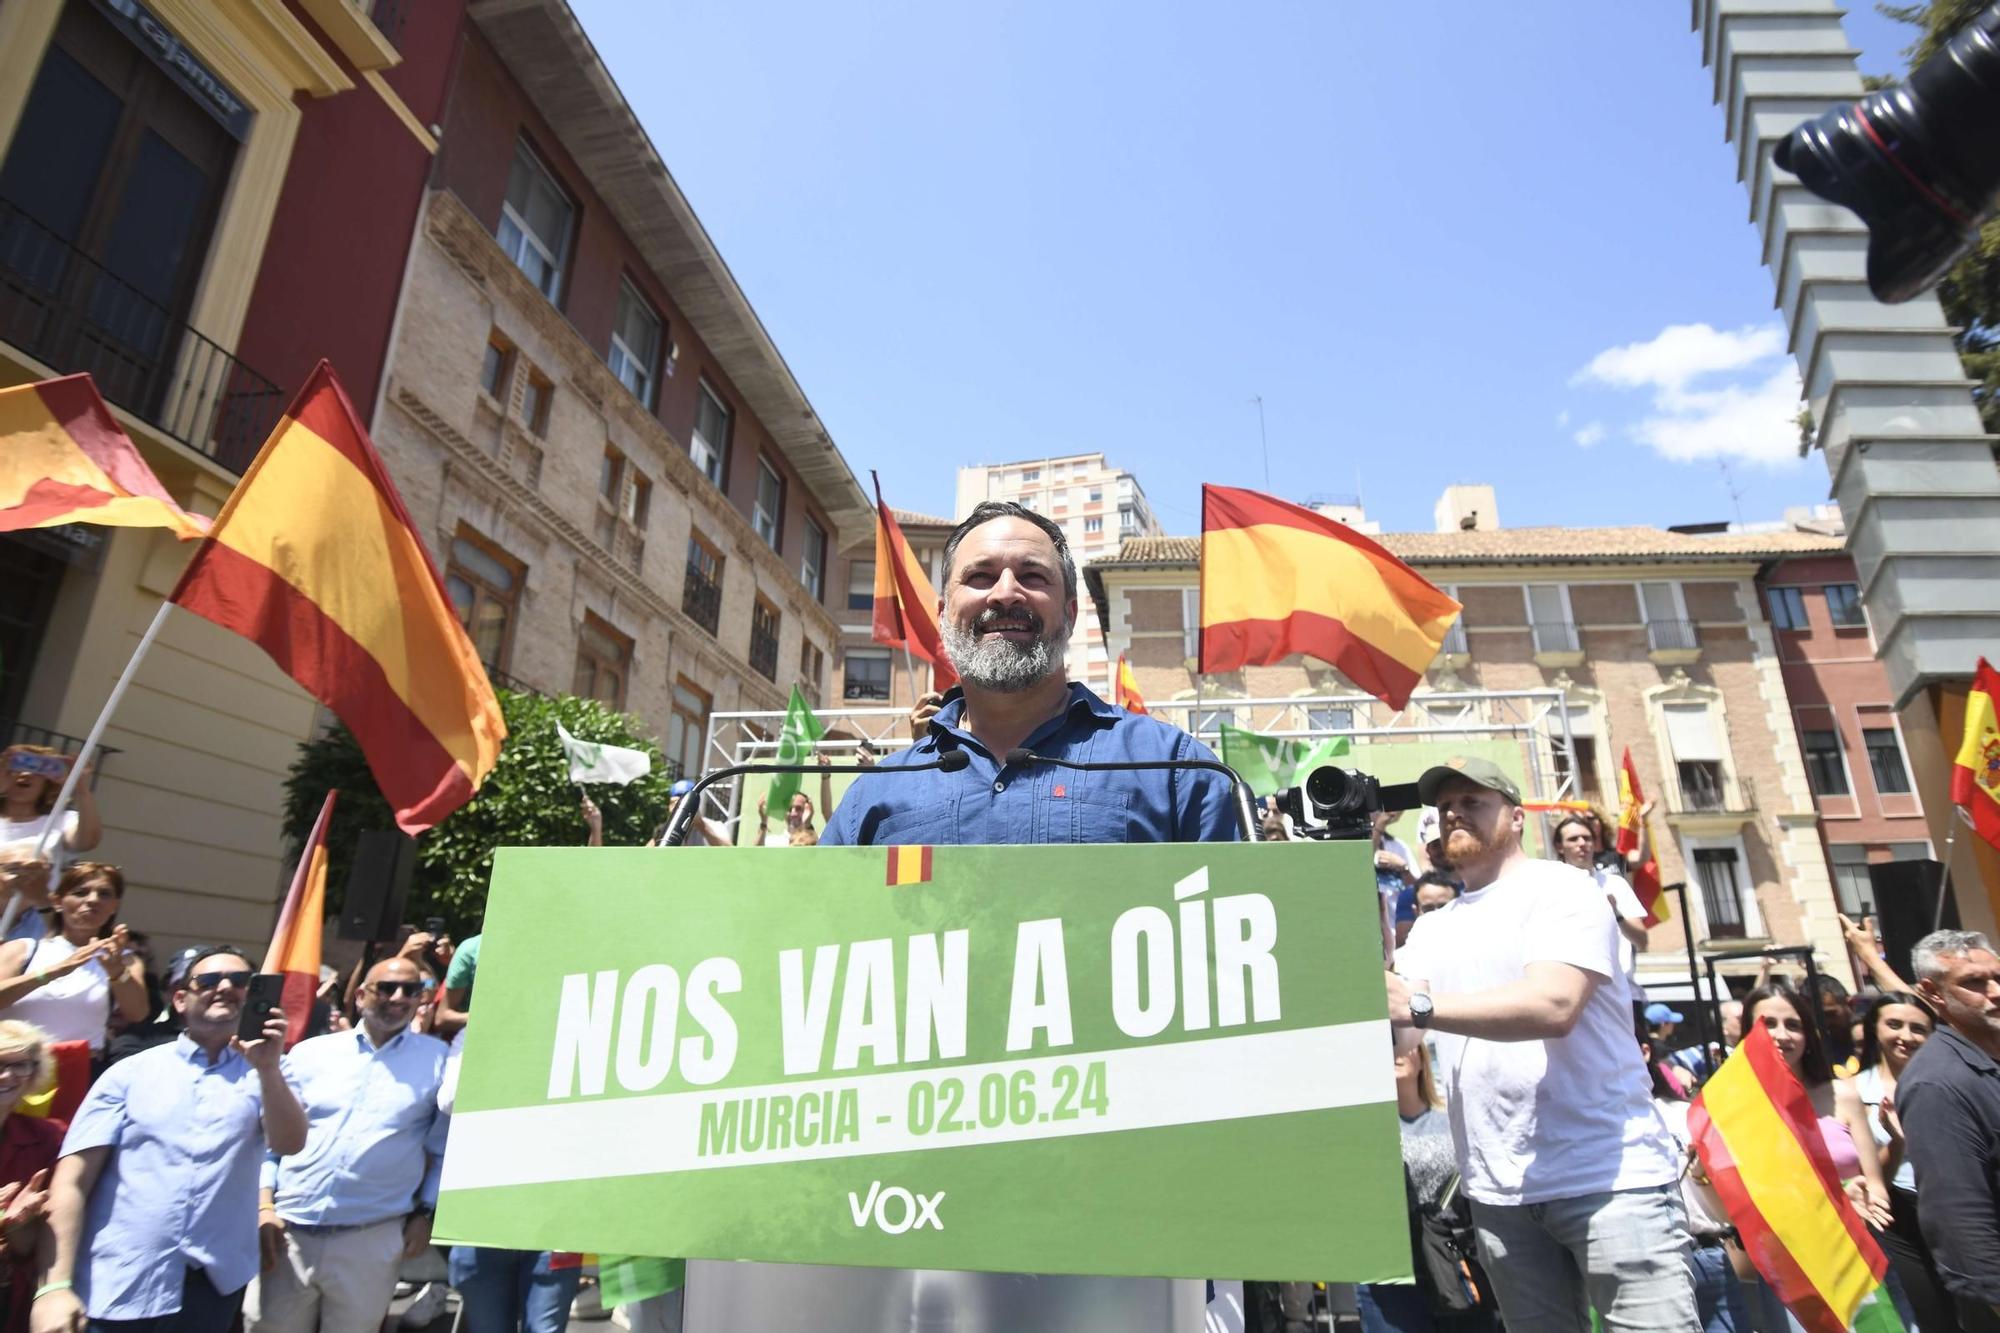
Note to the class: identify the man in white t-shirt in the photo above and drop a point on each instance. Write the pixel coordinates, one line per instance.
(1570, 1172)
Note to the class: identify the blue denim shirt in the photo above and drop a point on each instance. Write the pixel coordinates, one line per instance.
(179, 1188)
(987, 803)
(372, 1117)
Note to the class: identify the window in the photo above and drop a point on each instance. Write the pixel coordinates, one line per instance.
(1788, 607)
(635, 344)
(535, 223)
(764, 639)
(701, 593)
(1095, 523)
(812, 560)
(1667, 625)
(1097, 495)
(535, 399)
(1697, 756)
(484, 585)
(687, 728)
(1843, 606)
(1029, 474)
(861, 585)
(1548, 613)
(1721, 891)
(603, 661)
(812, 669)
(766, 515)
(1852, 888)
(1826, 770)
(867, 673)
(1885, 761)
(1211, 721)
(710, 446)
(638, 500)
(494, 369)
(1454, 638)
(1190, 622)
(1579, 764)
(1335, 719)
(611, 476)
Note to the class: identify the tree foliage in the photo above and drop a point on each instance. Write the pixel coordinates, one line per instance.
(526, 801)
(1970, 293)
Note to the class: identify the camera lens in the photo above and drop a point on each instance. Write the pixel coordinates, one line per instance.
(1336, 791)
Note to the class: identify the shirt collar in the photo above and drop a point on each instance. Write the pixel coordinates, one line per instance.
(1958, 1044)
(1082, 699)
(194, 1055)
(368, 1047)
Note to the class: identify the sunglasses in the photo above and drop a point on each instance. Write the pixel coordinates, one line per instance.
(209, 981)
(388, 990)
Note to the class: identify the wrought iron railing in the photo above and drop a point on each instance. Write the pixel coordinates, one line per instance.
(764, 647)
(64, 308)
(1555, 636)
(1704, 789)
(514, 683)
(701, 599)
(27, 733)
(1668, 635)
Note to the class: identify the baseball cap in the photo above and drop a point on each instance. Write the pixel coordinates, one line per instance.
(1427, 826)
(1473, 769)
(1660, 1013)
(681, 788)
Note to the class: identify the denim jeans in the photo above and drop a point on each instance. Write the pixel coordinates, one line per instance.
(1405, 1308)
(1619, 1252)
(1718, 1293)
(502, 1291)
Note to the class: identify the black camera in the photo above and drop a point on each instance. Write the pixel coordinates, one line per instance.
(1340, 803)
(1919, 162)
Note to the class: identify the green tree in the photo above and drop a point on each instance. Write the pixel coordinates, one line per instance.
(526, 801)
(1970, 293)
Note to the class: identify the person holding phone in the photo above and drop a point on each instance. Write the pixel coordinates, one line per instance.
(67, 983)
(153, 1207)
(33, 777)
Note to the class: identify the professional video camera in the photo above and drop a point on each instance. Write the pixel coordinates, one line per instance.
(1338, 803)
(1919, 162)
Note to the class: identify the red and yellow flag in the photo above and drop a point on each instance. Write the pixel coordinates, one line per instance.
(909, 865)
(315, 560)
(1126, 688)
(1975, 774)
(1277, 579)
(65, 459)
(295, 944)
(905, 603)
(1754, 1129)
(1631, 833)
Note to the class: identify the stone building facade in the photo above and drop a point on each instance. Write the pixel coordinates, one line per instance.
(1658, 641)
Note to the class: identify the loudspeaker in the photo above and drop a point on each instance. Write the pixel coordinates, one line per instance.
(1906, 903)
(378, 883)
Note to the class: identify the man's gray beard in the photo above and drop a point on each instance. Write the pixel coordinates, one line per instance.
(1002, 665)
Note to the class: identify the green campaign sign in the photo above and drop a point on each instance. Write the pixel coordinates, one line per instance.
(1167, 1061)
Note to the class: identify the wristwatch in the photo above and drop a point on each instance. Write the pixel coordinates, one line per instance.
(1420, 1009)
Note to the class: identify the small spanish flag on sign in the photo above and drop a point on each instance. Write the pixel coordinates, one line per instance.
(909, 865)
(1975, 775)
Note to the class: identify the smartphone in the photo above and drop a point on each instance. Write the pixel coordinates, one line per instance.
(267, 992)
(434, 927)
(42, 765)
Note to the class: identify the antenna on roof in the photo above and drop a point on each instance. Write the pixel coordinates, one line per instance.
(1729, 485)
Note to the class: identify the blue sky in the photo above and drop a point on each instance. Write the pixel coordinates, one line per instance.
(1504, 249)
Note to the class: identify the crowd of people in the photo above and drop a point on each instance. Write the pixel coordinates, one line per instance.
(160, 1172)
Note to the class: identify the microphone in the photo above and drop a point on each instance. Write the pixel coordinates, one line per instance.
(1244, 809)
(951, 761)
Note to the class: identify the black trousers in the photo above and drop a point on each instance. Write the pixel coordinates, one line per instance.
(1910, 1256)
(203, 1310)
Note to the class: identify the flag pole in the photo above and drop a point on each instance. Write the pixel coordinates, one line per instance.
(53, 829)
(1944, 886)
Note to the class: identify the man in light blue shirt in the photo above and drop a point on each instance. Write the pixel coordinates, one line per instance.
(338, 1218)
(153, 1207)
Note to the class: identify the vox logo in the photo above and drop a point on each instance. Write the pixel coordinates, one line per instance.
(895, 1210)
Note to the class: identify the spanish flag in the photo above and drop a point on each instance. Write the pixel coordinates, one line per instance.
(1975, 774)
(295, 944)
(1126, 687)
(315, 560)
(65, 459)
(1631, 829)
(1278, 579)
(906, 606)
(1759, 1143)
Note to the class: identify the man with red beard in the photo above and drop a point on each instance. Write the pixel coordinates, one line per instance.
(1570, 1172)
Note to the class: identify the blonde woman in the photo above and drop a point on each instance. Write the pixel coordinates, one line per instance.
(29, 1147)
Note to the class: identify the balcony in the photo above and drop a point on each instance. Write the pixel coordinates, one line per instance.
(501, 680)
(1557, 645)
(1672, 642)
(701, 602)
(1706, 800)
(27, 733)
(66, 310)
(764, 648)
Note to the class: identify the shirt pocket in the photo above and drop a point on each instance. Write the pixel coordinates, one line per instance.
(927, 825)
(1099, 817)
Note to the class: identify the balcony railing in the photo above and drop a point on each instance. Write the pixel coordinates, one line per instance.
(701, 600)
(764, 648)
(860, 687)
(1703, 790)
(1454, 640)
(506, 682)
(1671, 635)
(64, 308)
(27, 733)
(1555, 636)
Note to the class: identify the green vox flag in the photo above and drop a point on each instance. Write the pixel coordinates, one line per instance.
(795, 746)
(1146, 1061)
(1272, 763)
(627, 1279)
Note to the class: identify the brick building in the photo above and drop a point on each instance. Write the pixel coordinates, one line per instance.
(873, 676)
(1659, 642)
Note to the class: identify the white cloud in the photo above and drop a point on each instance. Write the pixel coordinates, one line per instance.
(1715, 394)
(1590, 435)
